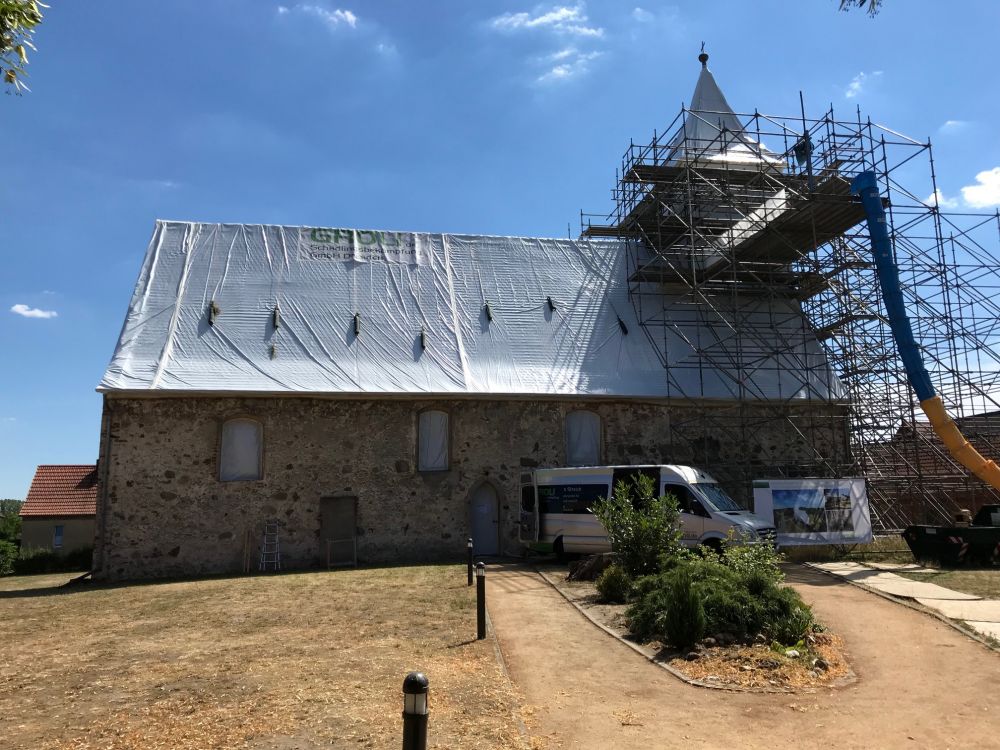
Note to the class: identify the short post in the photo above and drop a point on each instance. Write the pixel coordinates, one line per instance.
(469, 548)
(415, 688)
(480, 601)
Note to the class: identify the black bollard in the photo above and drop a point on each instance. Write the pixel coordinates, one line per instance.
(469, 546)
(480, 601)
(415, 688)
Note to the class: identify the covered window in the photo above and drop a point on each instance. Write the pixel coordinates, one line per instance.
(57, 537)
(240, 454)
(583, 438)
(432, 441)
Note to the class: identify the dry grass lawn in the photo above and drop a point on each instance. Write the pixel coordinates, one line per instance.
(289, 661)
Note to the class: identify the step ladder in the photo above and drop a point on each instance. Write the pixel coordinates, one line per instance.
(270, 554)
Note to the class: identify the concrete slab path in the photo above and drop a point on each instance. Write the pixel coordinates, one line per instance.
(921, 684)
(890, 583)
(982, 615)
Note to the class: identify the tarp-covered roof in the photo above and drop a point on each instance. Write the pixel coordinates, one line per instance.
(713, 133)
(368, 312)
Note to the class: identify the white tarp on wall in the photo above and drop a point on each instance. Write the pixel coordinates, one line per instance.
(815, 511)
(418, 304)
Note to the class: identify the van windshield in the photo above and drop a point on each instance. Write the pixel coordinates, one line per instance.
(717, 497)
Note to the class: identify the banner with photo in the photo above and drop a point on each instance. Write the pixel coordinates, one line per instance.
(815, 511)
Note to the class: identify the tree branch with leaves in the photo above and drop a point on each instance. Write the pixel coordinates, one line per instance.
(18, 20)
(872, 7)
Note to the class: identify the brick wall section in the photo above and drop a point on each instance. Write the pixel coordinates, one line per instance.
(163, 512)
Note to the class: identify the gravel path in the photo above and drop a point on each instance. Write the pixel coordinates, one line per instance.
(921, 684)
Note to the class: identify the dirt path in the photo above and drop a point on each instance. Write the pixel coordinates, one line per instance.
(921, 684)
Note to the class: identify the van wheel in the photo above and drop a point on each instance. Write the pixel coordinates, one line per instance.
(560, 552)
(715, 545)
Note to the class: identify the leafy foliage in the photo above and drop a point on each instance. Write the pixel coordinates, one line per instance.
(754, 559)
(872, 7)
(684, 620)
(8, 557)
(10, 520)
(18, 19)
(738, 593)
(641, 527)
(32, 561)
(614, 585)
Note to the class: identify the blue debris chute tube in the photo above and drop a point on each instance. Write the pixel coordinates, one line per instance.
(866, 186)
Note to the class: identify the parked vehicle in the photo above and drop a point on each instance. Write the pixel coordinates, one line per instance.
(556, 503)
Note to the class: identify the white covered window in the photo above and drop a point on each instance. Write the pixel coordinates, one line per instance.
(583, 438)
(432, 441)
(240, 453)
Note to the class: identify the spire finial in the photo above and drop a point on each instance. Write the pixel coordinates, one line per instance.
(703, 57)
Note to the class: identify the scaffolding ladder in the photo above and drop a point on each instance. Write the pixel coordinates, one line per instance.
(270, 553)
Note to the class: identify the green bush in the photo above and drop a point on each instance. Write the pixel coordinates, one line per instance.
(642, 528)
(754, 559)
(742, 603)
(33, 561)
(684, 619)
(614, 585)
(8, 556)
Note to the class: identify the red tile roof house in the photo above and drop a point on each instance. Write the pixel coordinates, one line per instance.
(58, 514)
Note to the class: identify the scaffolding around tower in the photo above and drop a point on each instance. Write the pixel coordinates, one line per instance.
(747, 251)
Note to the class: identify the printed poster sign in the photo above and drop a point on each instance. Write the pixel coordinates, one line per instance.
(815, 511)
(360, 246)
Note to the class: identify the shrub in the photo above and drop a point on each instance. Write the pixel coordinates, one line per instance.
(684, 619)
(8, 556)
(32, 561)
(740, 604)
(641, 527)
(749, 560)
(614, 585)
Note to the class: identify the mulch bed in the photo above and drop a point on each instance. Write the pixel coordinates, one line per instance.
(740, 666)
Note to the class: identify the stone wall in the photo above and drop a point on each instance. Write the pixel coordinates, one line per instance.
(163, 511)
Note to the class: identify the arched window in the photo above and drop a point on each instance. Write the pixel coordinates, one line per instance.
(241, 450)
(432, 441)
(583, 438)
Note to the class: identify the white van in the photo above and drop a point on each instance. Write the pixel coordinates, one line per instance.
(555, 505)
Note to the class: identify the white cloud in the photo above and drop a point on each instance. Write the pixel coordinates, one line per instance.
(858, 83)
(334, 19)
(32, 312)
(642, 15)
(386, 49)
(953, 126)
(942, 200)
(570, 63)
(986, 192)
(560, 19)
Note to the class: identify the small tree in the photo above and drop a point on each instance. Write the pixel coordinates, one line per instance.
(18, 19)
(10, 520)
(641, 527)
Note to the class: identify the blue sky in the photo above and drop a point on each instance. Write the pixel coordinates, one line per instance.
(480, 117)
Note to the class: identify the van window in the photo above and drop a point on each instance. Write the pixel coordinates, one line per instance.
(686, 501)
(583, 438)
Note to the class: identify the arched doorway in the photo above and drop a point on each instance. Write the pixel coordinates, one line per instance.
(484, 519)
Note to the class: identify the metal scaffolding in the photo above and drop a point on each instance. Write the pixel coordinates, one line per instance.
(738, 230)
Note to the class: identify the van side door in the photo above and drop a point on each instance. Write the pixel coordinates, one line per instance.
(693, 513)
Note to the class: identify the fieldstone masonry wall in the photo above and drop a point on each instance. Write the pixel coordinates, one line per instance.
(163, 511)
